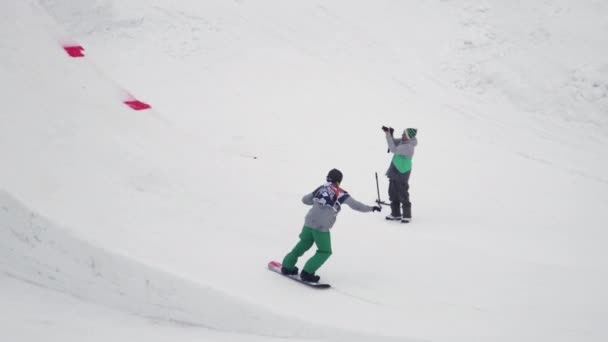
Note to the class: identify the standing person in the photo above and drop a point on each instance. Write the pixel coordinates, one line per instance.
(326, 203)
(399, 171)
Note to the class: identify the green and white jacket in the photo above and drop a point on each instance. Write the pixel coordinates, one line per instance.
(403, 152)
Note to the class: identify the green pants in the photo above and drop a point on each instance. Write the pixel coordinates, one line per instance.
(308, 236)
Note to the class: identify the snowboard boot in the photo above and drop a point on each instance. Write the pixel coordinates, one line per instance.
(309, 277)
(407, 213)
(287, 271)
(395, 212)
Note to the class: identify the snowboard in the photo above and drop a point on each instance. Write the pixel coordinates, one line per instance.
(275, 266)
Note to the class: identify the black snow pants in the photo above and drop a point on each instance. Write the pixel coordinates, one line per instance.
(399, 195)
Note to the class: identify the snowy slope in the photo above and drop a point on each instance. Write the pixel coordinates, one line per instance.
(252, 103)
(39, 253)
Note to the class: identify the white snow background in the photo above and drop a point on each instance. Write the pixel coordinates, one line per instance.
(157, 225)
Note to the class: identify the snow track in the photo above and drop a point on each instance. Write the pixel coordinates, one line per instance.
(37, 252)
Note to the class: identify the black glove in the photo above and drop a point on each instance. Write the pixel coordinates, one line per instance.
(388, 129)
(377, 208)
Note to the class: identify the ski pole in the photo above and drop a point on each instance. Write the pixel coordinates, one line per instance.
(378, 190)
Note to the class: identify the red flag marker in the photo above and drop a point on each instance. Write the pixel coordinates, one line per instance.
(137, 105)
(74, 50)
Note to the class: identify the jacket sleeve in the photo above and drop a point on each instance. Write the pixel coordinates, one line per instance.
(391, 143)
(307, 199)
(356, 205)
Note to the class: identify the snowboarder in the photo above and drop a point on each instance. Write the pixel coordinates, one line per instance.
(326, 203)
(399, 171)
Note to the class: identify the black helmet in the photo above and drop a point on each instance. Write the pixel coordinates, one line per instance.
(334, 176)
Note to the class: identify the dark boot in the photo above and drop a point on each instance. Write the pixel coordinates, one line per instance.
(407, 210)
(286, 271)
(309, 277)
(395, 211)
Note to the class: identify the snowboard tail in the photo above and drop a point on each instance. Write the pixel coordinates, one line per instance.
(275, 266)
